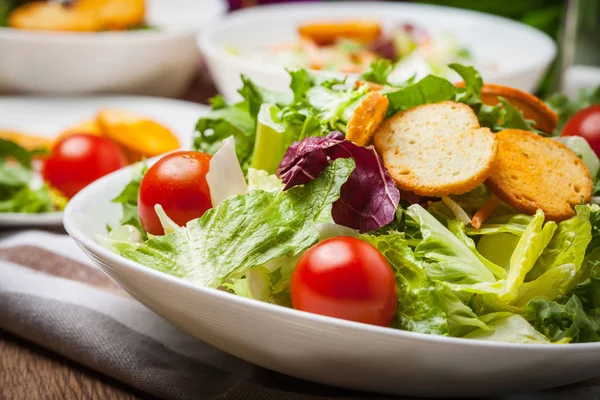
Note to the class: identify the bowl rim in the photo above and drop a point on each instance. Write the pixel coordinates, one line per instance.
(165, 32)
(86, 198)
(209, 48)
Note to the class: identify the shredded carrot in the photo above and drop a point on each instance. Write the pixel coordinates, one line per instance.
(485, 212)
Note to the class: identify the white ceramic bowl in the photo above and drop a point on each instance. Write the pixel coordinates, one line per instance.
(323, 349)
(522, 54)
(150, 62)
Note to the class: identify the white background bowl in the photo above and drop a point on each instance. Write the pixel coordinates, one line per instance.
(522, 53)
(323, 349)
(150, 62)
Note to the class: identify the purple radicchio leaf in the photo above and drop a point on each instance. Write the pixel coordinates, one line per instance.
(369, 198)
(303, 161)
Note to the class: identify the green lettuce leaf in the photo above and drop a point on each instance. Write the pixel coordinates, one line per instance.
(568, 244)
(225, 121)
(378, 72)
(431, 89)
(508, 327)
(498, 247)
(419, 308)
(446, 258)
(262, 180)
(27, 200)
(565, 323)
(243, 231)
(16, 173)
(128, 198)
(461, 318)
(531, 245)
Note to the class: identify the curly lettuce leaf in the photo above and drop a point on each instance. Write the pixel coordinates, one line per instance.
(419, 308)
(565, 323)
(243, 231)
(566, 108)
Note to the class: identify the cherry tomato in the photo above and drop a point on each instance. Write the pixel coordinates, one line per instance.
(585, 123)
(178, 183)
(346, 278)
(80, 159)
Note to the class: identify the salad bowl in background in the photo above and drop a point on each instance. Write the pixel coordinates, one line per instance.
(159, 62)
(48, 116)
(322, 349)
(506, 52)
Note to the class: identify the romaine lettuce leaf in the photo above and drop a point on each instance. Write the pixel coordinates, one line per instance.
(568, 244)
(461, 318)
(419, 308)
(531, 245)
(445, 257)
(243, 231)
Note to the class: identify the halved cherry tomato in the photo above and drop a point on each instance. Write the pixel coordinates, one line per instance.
(178, 183)
(346, 278)
(585, 123)
(80, 159)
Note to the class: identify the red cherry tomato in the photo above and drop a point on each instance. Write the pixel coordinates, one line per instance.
(346, 278)
(178, 183)
(80, 159)
(585, 123)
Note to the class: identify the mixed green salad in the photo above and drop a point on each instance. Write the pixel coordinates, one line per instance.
(284, 180)
(20, 191)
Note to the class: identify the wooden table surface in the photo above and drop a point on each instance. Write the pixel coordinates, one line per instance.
(30, 372)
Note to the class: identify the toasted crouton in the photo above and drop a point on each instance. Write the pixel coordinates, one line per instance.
(51, 16)
(532, 107)
(371, 86)
(436, 149)
(366, 118)
(532, 172)
(114, 14)
(324, 33)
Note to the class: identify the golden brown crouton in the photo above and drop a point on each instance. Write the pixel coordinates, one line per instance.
(532, 172)
(532, 107)
(366, 118)
(436, 149)
(324, 33)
